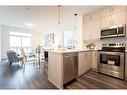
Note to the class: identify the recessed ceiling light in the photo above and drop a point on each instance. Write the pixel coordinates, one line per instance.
(29, 24)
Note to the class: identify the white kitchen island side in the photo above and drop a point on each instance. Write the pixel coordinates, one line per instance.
(55, 69)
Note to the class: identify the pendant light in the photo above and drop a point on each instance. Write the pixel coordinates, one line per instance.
(61, 43)
(75, 42)
(59, 13)
(75, 21)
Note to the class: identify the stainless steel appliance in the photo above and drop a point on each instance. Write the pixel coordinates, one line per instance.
(70, 67)
(114, 31)
(111, 60)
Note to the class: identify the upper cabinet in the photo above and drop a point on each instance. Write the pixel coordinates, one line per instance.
(105, 22)
(111, 10)
(117, 9)
(112, 16)
(106, 17)
(91, 26)
(92, 16)
(105, 12)
(86, 29)
(118, 18)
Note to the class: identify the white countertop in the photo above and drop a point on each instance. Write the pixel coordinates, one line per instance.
(70, 51)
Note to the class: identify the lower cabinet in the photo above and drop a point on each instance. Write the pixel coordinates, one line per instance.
(94, 60)
(84, 62)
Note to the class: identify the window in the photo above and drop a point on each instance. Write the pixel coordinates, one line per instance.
(68, 39)
(15, 41)
(20, 40)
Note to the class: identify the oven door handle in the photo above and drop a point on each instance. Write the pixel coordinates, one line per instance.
(117, 31)
(112, 53)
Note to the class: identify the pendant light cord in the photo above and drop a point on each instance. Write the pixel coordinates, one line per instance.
(75, 21)
(59, 14)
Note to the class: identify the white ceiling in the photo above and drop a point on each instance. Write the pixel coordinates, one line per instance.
(40, 16)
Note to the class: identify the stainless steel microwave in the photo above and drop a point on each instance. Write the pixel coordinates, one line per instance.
(117, 31)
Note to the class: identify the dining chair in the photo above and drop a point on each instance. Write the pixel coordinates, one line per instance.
(28, 59)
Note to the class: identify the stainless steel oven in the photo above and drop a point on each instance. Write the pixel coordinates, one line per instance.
(111, 61)
(116, 31)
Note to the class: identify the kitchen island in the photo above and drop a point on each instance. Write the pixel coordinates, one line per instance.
(59, 70)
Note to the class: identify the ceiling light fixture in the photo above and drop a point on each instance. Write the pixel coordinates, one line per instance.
(75, 21)
(27, 10)
(29, 24)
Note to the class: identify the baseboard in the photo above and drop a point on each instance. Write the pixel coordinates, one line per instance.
(3, 59)
(83, 73)
(93, 69)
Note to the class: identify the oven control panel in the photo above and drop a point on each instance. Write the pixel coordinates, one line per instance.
(114, 45)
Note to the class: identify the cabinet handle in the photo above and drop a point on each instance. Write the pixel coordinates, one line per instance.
(112, 10)
(66, 56)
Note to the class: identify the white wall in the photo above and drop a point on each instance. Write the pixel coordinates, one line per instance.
(36, 39)
(67, 19)
(5, 42)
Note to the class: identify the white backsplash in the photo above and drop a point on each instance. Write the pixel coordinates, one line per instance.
(99, 42)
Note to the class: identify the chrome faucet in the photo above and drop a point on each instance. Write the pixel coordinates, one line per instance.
(75, 43)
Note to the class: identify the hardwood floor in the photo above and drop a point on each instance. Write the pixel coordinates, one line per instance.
(93, 80)
(34, 78)
(16, 78)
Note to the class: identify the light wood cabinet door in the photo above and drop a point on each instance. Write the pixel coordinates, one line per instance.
(95, 29)
(84, 62)
(111, 10)
(91, 29)
(106, 22)
(86, 19)
(105, 12)
(92, 16)
(117, 9)
(118, 18)
(94, 60)
(88, 56)
(95, 15)
(86, 32)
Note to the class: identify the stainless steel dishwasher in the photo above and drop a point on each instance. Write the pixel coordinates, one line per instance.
(70, 66)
